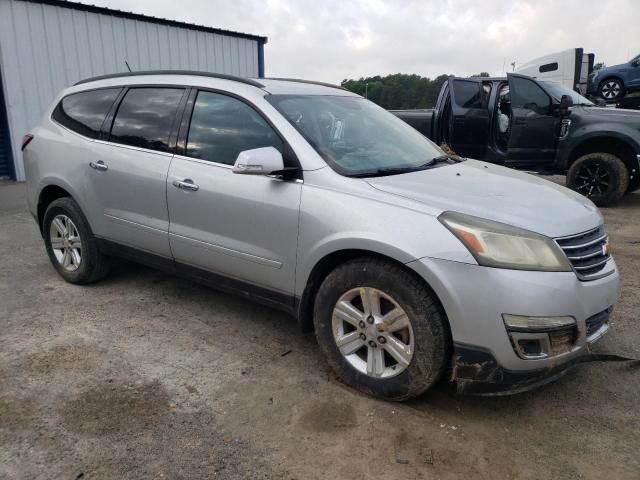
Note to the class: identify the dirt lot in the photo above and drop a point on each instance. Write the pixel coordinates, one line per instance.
(149, 376)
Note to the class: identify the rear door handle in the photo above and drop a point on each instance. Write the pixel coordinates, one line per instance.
(99, 165)
(186, 184)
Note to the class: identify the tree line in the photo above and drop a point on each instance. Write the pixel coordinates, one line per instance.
(400, 90)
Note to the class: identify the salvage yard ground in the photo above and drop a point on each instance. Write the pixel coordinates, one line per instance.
(149, 376)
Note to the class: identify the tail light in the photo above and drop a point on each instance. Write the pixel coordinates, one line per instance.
(25, 140)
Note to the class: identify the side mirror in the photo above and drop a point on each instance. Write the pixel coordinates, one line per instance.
(565, 102)
(259, 161)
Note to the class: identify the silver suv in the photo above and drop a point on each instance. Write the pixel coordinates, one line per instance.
(406, 261)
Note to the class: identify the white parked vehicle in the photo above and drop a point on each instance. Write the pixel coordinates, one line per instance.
(570, 68)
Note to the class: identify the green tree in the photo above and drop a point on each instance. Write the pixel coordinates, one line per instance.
(398, 91)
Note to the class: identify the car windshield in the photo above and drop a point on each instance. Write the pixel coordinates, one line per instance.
(357, 137)
(557, 90)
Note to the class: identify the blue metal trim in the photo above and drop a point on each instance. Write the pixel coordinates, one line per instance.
(4, 126)
(261, 59)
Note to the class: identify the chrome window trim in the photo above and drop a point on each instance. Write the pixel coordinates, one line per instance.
(131, 147)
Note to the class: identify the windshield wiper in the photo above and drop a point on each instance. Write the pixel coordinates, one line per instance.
(443, 159)
(383, 171)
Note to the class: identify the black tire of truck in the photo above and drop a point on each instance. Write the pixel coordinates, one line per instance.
(601, 177)
(634, 183)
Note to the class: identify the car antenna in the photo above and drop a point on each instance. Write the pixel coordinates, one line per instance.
(127, 64)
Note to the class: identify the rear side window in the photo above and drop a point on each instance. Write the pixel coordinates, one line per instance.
(222, 127)
(145, 117)
(548, 67)
(467, 94)
(84, 112)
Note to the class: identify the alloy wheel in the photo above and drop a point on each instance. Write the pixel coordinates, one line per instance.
(372, 332)
(593, 180)
(66, 243)
(611, 89)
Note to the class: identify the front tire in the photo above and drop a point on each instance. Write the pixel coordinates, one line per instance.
(601, 177)
(70, 243)
(381, 329)
(611, 89)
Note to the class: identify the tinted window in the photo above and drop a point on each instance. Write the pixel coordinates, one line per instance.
(549, 67)
(467, 94)
(145, 117)
(221, 127)
(529, 95)
(84, 112)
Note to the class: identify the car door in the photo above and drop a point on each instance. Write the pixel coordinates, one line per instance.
(534, 127)
(240, 226)
(127, 173)
(469, 120)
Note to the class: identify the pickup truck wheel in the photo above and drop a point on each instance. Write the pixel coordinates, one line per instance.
(611, 89)
(71, 245)
(381, 329)
(601, 177)
(634, 183)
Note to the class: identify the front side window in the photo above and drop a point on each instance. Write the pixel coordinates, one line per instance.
(355, 136)
(222, 127)
(145, 117)
(84, 112)
(528, 95)
(557, 90)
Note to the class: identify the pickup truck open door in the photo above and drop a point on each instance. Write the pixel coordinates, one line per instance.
(534, 125)
(469, 117)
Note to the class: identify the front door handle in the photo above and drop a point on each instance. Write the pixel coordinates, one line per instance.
(186, 184)
(99, 165)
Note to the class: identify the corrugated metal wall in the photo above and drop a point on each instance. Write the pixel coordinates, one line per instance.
(45, 48)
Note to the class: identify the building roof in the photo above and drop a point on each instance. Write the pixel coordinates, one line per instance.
(146, 18)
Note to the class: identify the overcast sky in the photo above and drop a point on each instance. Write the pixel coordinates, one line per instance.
(330, 40)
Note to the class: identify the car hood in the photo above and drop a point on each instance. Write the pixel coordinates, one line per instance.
(616, 114)
(496, 193)
(612, 69)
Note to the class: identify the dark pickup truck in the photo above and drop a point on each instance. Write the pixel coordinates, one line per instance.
(540, 126)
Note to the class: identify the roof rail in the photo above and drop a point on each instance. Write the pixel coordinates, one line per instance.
(297, 80)
(223, 76)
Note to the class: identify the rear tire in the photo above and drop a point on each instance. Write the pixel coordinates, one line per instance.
(601, 177)
(410, 332)
(70, 243)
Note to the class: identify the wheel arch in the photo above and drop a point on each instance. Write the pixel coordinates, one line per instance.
(330, 262)
(612, 76)
(51, 189)
(614, 143)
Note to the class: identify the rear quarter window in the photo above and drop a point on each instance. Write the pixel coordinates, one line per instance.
(84, 112)
(145, 117)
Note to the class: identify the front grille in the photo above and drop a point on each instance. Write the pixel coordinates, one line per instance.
(587, 252)
(596, 322)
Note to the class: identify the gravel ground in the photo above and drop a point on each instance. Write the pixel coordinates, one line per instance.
(145, 375)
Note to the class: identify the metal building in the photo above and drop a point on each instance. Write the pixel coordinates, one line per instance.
(48, 45)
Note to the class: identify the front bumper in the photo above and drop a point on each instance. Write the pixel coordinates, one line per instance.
(474, 299)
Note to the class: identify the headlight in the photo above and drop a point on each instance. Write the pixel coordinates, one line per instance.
(499, 245)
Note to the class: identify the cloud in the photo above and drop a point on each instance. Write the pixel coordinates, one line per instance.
(330, 40)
